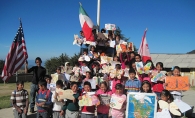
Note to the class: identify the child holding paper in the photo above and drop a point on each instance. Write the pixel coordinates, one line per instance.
(91, 80)
(132, 84)
(71, 106)
(177, 94)
(103, 109)
(87, 111)
(166, 97)
(158, 86)
(111, 49)
(57, 105)
(116, 77)
(119, 112)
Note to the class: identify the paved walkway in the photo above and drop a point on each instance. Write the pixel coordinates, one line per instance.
(189, 97)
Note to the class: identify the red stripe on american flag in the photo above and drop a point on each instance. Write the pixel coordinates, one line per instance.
(15, 59)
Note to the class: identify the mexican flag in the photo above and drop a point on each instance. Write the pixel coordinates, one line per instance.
(144, 49)
(86, 25)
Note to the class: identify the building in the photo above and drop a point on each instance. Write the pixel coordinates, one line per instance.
(185, 61)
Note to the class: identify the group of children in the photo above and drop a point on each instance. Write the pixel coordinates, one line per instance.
(126, 79)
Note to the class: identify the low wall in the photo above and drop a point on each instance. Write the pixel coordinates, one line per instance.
(24, 77)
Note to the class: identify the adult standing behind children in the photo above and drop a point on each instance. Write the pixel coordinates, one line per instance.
(39, 73)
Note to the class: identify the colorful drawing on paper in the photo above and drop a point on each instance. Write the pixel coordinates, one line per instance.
(65, 94)
(147, 67)
(157, 76)
(141, 105)
(88, 100)
(110, 26)
(123, 47)
(116, 102)
(130, 46)
(139, 67)
(177, 83)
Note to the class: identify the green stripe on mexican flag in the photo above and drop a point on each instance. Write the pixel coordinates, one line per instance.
(86, 24)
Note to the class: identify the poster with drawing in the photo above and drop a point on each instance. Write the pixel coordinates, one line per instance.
(141, 105)
(77, 41)
(65, 94)
(157, 76)
(104, 99)
(89, 100)
(110, 26)
(116, 102)
(130, 46)
(139, 67)
(56, 77)
(177, 83)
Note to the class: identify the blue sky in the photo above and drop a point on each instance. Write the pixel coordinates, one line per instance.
(49, 25)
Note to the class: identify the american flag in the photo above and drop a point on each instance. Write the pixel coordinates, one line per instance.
(17, 55)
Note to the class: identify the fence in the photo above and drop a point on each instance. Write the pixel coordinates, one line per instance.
(24, 77)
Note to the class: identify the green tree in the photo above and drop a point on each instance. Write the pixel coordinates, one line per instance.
(1, 65)
(74, 59)
(54, 62)
(118, 31)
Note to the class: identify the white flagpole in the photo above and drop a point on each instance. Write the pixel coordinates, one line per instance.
(98, 14)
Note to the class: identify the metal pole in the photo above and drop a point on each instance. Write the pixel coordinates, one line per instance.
(16, 76)
(98, 15)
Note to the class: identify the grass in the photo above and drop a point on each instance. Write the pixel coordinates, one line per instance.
(192, 88)
(5, 93)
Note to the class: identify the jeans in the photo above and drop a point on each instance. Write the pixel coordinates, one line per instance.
(33, 89)
(100, 115)
(42, 115)
(19, 115)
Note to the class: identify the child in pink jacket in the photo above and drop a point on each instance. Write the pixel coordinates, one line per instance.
(119, 113)
(103, 108)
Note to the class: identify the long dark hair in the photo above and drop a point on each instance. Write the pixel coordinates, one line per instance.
(167, 94)
(148, 83)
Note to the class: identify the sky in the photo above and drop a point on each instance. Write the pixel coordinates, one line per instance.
(49, 25)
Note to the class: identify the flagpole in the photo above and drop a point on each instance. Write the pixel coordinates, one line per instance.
(98, 14)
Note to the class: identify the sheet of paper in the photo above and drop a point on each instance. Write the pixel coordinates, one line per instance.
(54, 78)
(93, 83)
(126, 72)
(89, 100)
(139, 67)
(110, 26)
(103, 59)
(163, 114)
(163, 104)
(104, 99)
(86, 58)
(183, 107)
(65, 94)
(77, 40)
(174, 109)
(177, 83)
(52, 86)
(112, 44)
(67, 76)
(116, 102)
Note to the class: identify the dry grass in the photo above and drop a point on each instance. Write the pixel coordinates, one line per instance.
(7, 88)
